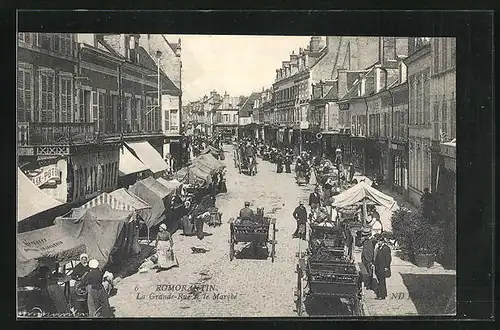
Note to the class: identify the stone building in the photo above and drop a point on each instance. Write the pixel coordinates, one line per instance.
(443, 119)
(225, 119)
(82, 100)
(420, 132)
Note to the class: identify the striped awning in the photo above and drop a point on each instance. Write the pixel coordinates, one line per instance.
(108, 199)
(128, 198)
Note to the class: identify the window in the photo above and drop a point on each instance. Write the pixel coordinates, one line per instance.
(66, 44)
(453, 120)
(156, 115)
(109, 114)
(46, 96)
(101, 110)
(139, 111)
(426, 97)
(444, 53)
(453, 52)
(26, 38)
(444, 119)
(66, 99)
(436, 55)
(149, 117)
(436, 120)
(24, 94)
(45, 41)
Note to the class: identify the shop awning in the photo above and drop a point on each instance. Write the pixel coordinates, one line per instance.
(108, 199)
(130, 199)
(45, 246)
(30, 199)
(149, 156)
(129, 164)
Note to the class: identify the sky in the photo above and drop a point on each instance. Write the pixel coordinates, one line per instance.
(239, 65)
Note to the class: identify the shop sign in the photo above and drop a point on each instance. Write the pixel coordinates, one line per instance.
(41, 177)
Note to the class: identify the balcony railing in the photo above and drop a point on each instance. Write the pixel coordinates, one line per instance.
(56, 133)
(35, 133)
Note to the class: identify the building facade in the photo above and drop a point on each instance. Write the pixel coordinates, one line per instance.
(420, 132)
(80, 97)
(443, 118)
(225, 118)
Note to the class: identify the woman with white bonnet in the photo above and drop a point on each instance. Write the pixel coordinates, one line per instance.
(97, 298)
(164, 249)
(81, 268)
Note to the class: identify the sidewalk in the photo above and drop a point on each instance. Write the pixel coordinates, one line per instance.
(411, 290)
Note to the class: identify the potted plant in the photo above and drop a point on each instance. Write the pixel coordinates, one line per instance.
(426, 243)
(402, 226)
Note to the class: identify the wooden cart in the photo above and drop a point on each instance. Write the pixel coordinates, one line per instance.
(257, 232)
(328, 270)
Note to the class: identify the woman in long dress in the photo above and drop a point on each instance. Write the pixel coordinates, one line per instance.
(164, 249)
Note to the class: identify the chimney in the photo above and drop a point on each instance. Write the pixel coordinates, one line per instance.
(316, 44)
(118, 42)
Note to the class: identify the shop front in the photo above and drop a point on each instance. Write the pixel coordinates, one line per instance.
(398, 171)
(358, 156)
(445, 194)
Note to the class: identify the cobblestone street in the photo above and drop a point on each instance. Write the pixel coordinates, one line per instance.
(247, 286)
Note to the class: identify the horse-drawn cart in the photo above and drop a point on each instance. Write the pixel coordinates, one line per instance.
(259, 231)
(328, 270)
(246, 164)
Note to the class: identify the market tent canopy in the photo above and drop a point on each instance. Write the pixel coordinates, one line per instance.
(360, 192)
(130, 199)
(186, 175)
(30, 199)
(209, 161)
(98, 228)
(171, 185)
(129, 164)
(148, 155)
(212, 150)
(108, 199)
(201, 173)
(148, 191)
(43, 246)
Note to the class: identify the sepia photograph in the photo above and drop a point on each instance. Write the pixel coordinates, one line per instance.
(235, 176)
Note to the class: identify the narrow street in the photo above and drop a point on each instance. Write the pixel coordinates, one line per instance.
(248, 286)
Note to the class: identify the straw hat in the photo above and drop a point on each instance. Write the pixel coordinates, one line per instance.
(93, 264)
(163, 226)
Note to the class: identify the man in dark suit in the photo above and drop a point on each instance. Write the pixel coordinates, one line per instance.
(367, 255)
(314, 199)
(382, 264)
(246, 212)
(300, 214)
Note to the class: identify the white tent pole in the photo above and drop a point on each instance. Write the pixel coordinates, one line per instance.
(365, 212)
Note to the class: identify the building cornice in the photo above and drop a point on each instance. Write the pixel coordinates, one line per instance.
(47, 52)
(421, 52)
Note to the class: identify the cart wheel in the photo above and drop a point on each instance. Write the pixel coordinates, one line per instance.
(298, 302)
(273, 248)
